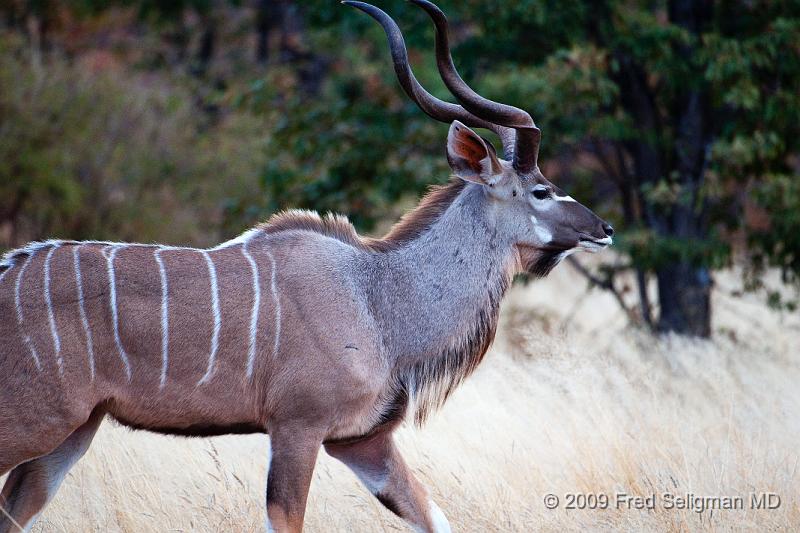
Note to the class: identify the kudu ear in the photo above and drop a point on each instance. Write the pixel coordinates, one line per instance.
(472, 157)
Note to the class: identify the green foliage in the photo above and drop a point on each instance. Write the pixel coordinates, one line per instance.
(778, 245)
(746, 59)
(88, 155)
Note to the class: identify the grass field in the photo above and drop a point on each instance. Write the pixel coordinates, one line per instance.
(567, 401)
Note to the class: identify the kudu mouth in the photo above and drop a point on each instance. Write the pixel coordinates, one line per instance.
(593, 233)
(592, 244)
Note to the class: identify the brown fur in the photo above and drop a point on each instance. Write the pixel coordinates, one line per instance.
(448, 369)
(410, 226)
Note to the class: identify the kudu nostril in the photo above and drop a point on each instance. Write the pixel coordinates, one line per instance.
(608, 229)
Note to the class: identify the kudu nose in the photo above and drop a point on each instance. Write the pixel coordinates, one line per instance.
(608, 229)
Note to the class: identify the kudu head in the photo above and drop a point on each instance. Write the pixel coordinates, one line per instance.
(539, 218)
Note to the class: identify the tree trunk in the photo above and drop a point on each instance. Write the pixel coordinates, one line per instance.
(205, 51)
(683, 282)
(684, 292)
(264, 25)
(684, 285)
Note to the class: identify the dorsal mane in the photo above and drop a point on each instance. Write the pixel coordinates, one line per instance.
(331, 225)
(430, 208)
(409, 227)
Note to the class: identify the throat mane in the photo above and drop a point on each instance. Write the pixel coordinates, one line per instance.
(429, 381)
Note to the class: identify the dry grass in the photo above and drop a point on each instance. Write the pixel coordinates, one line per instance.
(595, 409)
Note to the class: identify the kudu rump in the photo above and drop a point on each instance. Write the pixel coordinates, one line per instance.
(299, 328)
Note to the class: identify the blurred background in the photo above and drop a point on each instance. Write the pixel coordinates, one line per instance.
(186, 121)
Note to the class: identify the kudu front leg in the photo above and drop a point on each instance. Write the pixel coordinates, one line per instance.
(380, 467)
(291, 467)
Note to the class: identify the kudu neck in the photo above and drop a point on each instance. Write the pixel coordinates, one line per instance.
(468, 230)
(437, 287)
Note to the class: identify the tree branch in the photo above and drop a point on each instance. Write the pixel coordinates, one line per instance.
(606, 284)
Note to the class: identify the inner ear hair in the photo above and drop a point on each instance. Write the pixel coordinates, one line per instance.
(470, 149)
(471, 157)
(496, 168)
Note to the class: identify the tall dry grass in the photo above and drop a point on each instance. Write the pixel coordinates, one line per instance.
(568, 401)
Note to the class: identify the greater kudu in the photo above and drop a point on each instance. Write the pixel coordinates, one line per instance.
(299, 328)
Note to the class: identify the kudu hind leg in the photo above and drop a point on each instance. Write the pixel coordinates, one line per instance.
(30, 486)
(380, 467)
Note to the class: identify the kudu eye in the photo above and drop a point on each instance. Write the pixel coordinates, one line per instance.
(541, 194)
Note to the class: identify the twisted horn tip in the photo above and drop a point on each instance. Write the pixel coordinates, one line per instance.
(357, 5)
(425, 4)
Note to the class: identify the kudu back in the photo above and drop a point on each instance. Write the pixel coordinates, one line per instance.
(299, 328)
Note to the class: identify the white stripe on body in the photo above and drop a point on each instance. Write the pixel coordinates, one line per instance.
(251, 354)
(164, 317)
(109, 253)
(84, 319)
(277, 301)
(242, 239)
(29, 250)
(50, 314)
(8, 259)
(12, 258)
(4, 272)
(212, 273)
(20, 318)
